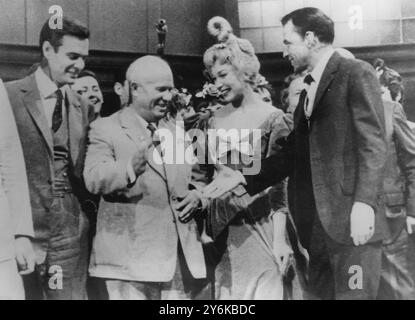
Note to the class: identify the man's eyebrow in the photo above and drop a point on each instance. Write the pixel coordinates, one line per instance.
(77, 54)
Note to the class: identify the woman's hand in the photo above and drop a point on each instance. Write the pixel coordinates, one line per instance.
(226, 180)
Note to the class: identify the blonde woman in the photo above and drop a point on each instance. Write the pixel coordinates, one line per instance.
(250, 252)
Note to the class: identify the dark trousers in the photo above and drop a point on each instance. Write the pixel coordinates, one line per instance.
(342, 272)
(396, 279)
(62, 269)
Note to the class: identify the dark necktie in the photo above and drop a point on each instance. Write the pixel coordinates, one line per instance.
(308, 79)
(57, 112)
(304, 101)
(152, 129)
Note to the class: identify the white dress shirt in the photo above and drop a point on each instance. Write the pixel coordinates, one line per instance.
(316, 73)
(47, 89)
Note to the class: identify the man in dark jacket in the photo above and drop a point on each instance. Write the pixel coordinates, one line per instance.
(335, 157)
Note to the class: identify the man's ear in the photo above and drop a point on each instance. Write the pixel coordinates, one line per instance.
(47, 49)
(118, 88)
(310, 39)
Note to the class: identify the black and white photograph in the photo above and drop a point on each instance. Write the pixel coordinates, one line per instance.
(222, 152)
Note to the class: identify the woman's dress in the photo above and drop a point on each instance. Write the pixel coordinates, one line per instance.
(241, 256)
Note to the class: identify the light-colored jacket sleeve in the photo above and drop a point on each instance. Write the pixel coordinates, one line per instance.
(13, 170)
(104, 172)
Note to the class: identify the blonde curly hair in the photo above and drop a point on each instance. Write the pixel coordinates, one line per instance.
(231, 50)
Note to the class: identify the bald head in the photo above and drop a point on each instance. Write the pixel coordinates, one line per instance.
(151, 83)
(148, 69)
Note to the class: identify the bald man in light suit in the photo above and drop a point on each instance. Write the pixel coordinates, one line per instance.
(147, 244)
(16, 226)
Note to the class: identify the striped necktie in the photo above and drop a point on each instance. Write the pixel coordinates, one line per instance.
(152, 129)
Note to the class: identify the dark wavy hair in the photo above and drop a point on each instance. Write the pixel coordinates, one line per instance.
(314, 20)
(70, 27)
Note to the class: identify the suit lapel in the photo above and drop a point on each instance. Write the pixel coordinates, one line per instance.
(132, 127)
(135, 130)
(326, 79)
(33, 104)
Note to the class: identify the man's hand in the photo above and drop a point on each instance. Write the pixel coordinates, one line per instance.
(410, 224)
(139, 160)
(188, 205)
(362, 223)
(226, 180)
(283, 253)
(25, 255)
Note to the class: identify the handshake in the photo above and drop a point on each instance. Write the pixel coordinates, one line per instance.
(225, 181)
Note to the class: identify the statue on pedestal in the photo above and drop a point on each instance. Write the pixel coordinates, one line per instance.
(162, 30)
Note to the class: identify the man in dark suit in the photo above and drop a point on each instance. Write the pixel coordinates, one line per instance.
(52, 122)
(335, 158)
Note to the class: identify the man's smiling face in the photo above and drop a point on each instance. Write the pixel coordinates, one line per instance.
(66, 61)
(295, 47)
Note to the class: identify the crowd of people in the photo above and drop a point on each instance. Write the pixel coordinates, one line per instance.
(310, 195)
